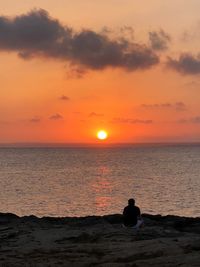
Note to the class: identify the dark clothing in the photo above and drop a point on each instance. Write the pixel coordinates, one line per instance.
(130, 215)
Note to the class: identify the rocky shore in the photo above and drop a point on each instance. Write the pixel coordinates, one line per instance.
(98, 241)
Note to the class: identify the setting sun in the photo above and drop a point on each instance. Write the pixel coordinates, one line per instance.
(102, 135)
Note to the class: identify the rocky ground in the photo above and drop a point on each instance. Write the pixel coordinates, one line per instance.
(98, 241)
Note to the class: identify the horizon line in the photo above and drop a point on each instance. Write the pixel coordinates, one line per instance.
(100, 144)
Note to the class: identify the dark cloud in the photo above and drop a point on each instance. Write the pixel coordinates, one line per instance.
(94, 114)
(186, 64)
(159, 40)
(64, 98)
(36, 34)
(194, 120)
(31, 33)
(131, 121)
(35, 119)
(178, 106)
(97, 51)
(56, 117)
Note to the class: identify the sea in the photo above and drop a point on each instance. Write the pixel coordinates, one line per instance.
(99, 180)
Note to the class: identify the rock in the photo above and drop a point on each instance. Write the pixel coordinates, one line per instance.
(99, 241)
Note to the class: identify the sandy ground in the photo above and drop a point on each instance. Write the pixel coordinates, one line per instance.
(98, 241)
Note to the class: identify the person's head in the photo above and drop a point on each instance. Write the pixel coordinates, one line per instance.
(131, 202)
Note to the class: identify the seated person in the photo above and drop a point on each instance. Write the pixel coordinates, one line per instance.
(132, 215)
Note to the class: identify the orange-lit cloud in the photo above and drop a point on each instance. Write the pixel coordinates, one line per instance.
(194, 120)
(56, 117)
(35, 119)
(131, 121)
(64, 98)
(94, 114)
(178, 106)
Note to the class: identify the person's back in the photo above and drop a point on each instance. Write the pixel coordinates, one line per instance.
(131, 214)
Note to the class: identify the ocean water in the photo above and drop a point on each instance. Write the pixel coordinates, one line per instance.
(163, 179)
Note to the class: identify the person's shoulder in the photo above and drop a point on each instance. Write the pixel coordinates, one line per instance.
(126, 208)
(137, 207)
(125, 211)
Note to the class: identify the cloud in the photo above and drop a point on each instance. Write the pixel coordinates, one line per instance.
(159, 40)
(56, 117)
(187, 36)
(64, 98)
(75, 72)
(178, 106)
(195, 120)
(35, 119)
(94, 114)
(2, 122)
(164, 105)
(191, 34)
(36, 34)
(192, 84)
(186, 64)
(131, 121)
(127, 31)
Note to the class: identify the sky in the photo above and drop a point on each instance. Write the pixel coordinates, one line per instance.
(71, 68)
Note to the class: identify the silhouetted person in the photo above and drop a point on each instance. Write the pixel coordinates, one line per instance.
(132, 215)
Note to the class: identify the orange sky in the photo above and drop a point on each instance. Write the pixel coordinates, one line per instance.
(51, 95)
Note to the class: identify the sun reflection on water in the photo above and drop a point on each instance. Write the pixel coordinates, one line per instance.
(102, 189)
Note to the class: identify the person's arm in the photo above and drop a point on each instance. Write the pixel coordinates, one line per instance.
(124, 212)
(139, 214)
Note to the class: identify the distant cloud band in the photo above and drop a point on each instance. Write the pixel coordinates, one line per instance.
(195, 120)
(131, 121)
(178, 106)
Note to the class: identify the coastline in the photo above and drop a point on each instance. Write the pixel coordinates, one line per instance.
(98, 241)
